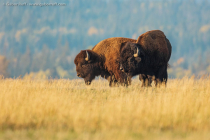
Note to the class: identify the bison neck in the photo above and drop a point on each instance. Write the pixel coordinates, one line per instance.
(100, 70)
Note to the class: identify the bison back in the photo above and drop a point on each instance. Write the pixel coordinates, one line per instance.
(109, 50)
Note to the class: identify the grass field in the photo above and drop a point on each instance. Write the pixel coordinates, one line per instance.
(68, 109)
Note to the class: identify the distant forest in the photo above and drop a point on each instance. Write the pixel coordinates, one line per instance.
(42, 41)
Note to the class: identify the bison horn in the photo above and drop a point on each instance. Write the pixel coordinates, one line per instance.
(137, 53)
(88, 57)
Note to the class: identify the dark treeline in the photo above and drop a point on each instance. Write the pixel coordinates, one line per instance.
(37, 40)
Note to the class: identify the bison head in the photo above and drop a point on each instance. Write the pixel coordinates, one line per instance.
(131, 56)
(87, 65)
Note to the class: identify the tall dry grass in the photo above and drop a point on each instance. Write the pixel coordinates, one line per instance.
(100, 112)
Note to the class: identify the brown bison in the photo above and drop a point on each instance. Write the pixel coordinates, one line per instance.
(148, 56)
(102, 61)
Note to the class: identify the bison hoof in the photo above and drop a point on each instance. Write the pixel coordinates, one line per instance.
(87, 82)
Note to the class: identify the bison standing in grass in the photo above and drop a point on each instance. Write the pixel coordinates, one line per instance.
(102, 61)
(148, 56)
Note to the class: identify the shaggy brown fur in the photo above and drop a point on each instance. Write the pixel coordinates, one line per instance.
(103, 61)
(154, 44)
(155, 52)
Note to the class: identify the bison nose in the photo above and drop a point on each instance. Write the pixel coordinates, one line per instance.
(121, 68)
(78, 75)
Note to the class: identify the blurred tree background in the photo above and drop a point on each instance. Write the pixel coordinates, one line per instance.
(42, 41)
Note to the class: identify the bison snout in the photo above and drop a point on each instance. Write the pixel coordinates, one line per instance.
(121, 68)
(78, 75)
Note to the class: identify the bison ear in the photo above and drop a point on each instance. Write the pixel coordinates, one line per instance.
(87, 56)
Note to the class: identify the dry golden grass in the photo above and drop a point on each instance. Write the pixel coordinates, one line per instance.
(68, 109)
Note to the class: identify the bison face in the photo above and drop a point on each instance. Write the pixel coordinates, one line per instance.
(87, 65)
(131, 58)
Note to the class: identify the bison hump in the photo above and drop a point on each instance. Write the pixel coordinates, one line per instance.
(155, 45)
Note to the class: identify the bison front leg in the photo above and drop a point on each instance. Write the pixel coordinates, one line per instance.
(146, 80)
(112, 81)
(123, 78)
(127, 80)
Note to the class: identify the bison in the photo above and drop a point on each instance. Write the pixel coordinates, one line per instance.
(102, 61)
(148, 56)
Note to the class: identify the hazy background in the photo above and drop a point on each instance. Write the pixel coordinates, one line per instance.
(36, 41)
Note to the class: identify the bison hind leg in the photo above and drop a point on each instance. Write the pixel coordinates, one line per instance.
(161, 76)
